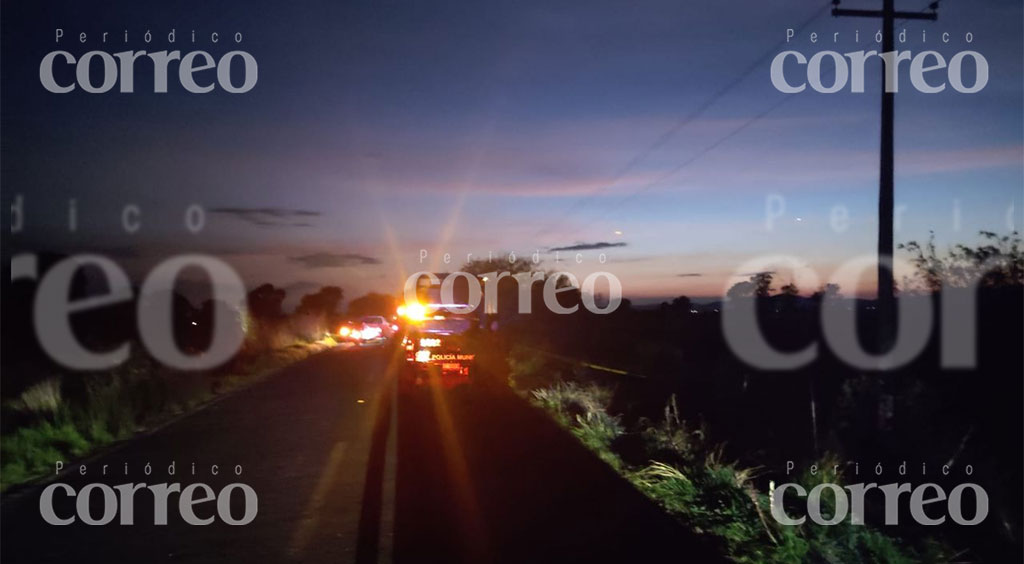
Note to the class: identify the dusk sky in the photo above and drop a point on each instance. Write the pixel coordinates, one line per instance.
(378, 129)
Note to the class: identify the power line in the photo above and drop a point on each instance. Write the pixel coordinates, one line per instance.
(617, 206)
(671, 132)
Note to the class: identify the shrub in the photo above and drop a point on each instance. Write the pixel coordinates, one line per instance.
(671, 440)
(666, 484)
(528, 370)
(40, 399)
(597, 430)
(567, 400)
(307, 327)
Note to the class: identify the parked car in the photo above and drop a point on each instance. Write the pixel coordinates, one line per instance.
(349, 331)
(376, 326)
(369, 329)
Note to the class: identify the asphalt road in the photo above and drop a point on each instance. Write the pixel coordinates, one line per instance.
(347, 467)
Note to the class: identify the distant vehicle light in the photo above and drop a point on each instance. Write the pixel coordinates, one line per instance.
(344, 331)
(394, 327)
(370, 333)
(422, 356)
(427, 343)
(401, 311)
(355, 334)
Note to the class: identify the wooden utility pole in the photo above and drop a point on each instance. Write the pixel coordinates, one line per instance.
(886, 301)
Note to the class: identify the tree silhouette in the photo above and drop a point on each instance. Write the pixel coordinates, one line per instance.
(743, 289)
(681, 304)
(788, 297)
(325, 301)
(827, 290)
(759, 285)
(265, 302)
(508, 288)
(762, 282)
(997, 261)
(373, 304)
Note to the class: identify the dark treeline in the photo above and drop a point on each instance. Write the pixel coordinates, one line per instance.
(262, 317)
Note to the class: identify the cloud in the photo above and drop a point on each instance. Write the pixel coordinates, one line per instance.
(690, 275)
(333, 260)
(588, 246)
(269, 217)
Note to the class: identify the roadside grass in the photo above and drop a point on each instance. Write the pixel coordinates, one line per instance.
(528, 370)
(690, 479)
(69, 416)
(583, 410)
(32, 451)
